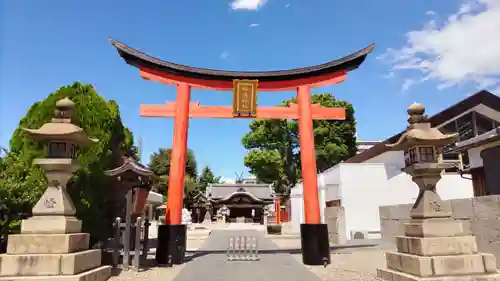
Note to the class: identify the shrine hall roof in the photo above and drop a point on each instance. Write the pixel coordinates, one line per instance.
(129, 164)
(139, 59)
(223, 190)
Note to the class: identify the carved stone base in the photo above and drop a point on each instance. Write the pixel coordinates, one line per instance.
(51, 225)
(47, 243)
(446, 227)
(393, 275)
(48, 249)
(438, 249)
(97, 274)
(50, 264)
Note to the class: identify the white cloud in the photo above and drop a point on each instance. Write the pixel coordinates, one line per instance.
(251, 5)
(463, 49)
(407, 84)
(287, 6)
(389, 75)
(224, 55)
(430, 13)
(253, 25)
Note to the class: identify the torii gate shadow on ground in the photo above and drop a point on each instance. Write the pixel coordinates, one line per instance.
(172, 236)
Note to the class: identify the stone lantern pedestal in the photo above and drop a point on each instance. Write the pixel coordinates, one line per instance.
(435, 247)
(51, 245)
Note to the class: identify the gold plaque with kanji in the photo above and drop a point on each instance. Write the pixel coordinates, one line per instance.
(245, 97)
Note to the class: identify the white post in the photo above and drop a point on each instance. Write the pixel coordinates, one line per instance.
(150, 212)
(137, 243)
(126, 236)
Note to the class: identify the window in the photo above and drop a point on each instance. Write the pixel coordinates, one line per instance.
(427, 154)
(411, 156)
(465, 120)
(465, 159)
(449, 128)
(465, 127)
(450, 156)
(483, 124)
(57, 150)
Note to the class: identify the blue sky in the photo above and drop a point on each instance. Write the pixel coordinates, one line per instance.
(47, 44)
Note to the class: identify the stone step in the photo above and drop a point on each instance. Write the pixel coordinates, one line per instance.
(441, 265)
(50, 225)
(435, 228)
(97, 274)
(49, 264)
(437, 246)
(389, 274)
(47, 243)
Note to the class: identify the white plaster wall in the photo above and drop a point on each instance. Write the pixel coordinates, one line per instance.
(364, 187)
(475, 160)
(155, 198)
(297, 207)
(382, 185)
(390, 158)
(297, 199)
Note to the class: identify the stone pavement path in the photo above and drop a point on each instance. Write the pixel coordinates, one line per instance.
(210, 262)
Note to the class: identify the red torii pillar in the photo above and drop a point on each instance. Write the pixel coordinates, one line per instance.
(172, 236)
(175, 197)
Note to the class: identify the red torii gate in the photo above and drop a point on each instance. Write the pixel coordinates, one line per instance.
(314, 234)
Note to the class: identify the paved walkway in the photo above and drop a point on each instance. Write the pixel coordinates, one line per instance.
(210, 262)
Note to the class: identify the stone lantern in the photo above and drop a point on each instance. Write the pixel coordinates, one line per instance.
(434, 246)
(421, 145)
(51, 245)
(63, 139)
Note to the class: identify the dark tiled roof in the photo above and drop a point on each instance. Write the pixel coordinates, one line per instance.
(139, 59)
(129, 164)
(218, 191)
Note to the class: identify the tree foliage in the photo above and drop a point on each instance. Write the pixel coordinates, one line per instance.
(207, 177)
(193, 184)
(274, 155)
(97, 198)
(160, 165)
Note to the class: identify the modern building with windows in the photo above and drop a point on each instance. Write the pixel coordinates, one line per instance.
(373, 178)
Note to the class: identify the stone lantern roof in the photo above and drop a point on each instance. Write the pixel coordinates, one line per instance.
(61, 128)
(420, 132)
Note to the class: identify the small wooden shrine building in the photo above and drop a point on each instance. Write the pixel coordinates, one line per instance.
(242, 199)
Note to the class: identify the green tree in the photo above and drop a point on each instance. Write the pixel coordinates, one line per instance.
(206, 177)
(160, 165)
(274, 155)
(97, 198)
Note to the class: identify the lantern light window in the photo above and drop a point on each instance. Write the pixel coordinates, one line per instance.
(60, 149)
(427, 154)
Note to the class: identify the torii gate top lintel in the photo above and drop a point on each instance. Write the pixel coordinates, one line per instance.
(281, 80)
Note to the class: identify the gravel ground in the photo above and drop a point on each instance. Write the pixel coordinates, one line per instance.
(158, 273)
(360, 265)
(348, 264)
